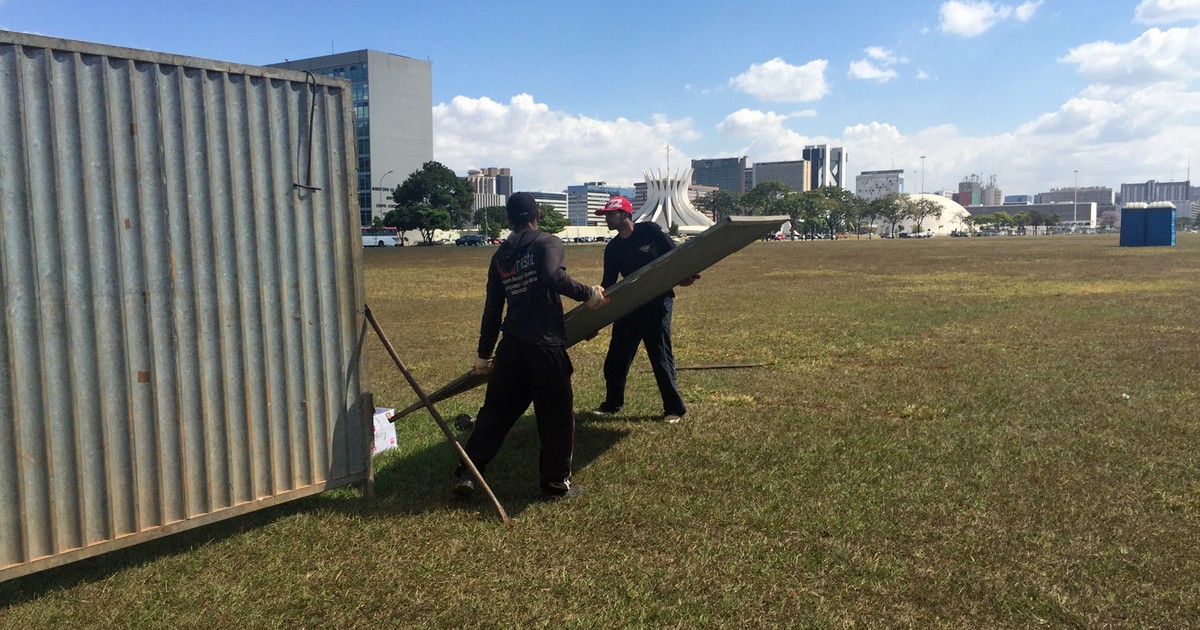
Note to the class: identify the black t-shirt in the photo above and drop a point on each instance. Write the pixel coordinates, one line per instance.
(528, 273)
(623, 256)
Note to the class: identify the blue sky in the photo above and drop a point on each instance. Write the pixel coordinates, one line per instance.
(566, 92)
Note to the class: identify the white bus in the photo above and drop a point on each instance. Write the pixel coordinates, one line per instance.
(380, 237)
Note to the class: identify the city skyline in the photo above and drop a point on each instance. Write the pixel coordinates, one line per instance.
(563, 94)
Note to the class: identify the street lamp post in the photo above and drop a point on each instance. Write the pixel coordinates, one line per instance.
(1075, 203)
(922, 174)
(380, 202)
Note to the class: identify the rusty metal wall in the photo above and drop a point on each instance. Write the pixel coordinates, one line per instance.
(180, 291)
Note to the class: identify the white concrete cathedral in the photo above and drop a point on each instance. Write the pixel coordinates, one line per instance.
(667, 203)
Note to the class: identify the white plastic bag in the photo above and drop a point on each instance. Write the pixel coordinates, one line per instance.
(385, 431)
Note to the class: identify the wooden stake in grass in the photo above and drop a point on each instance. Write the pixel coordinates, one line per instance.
(462, 455)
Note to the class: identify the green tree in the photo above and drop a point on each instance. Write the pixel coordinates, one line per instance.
(491, 220)
(868, 214)
(423, 218)
(429, 193)
(892, 209)
(836, 209)
(718, 204)
(760, 198)
(1020, 220)
(1035, 219)
(921, 209)
(550, 221)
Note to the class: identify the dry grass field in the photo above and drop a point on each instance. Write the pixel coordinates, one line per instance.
(959, 433)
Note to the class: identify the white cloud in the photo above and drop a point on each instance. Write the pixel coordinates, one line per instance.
(777, 81)
(971, 18)
(1155, 56)
(923, 76)
(549, 149)
(881, 54)
(876, 67)
(864, 69)
(1167, 11)
(1025, 12)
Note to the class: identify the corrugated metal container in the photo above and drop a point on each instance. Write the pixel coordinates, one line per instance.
(180, 295)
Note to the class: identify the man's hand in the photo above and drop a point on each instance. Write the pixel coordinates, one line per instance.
(482, 366)
(597, 298)
(687, 282)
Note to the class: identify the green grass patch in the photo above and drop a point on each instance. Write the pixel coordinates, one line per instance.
(945, 433)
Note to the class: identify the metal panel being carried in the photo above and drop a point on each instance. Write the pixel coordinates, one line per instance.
(708, 248)
(180, 295)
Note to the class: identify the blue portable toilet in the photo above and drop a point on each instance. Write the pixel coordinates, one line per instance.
(1148, 224)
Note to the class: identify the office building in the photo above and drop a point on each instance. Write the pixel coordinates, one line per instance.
(1083, 215)
(1156, 191)
(973, 192)
(794, 174)
(393, 118)
(585, 199)
(728, 174)
(872, 185)
(491, 186)
(493, 180)
(826, 165)
(557, 200)
(1018, 200)
(1179, 193)
(1103, 196)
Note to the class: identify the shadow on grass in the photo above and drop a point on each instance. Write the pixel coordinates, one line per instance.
(417, 483)
(421, 481)
(34, 586)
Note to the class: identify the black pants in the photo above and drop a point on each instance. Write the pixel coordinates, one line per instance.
(523, 373)
(649, 325)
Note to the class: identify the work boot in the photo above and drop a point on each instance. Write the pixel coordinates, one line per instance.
(464, 487)
(564, 490)
(672, 418)
(605, 409)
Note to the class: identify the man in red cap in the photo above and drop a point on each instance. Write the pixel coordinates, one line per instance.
(635, 246)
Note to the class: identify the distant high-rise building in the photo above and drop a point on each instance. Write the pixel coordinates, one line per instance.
(826, 165)
(876, 184)
(991, 194)
(1103, 196)
(728, 174)
(1156, 191)
(585, 199)
(491, 180)
(1018, 200)
(1180, 193)
(557, 200)
(794, 174)
(393, 129)
(973, 192)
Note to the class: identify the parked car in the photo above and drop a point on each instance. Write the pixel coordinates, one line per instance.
(471, 240)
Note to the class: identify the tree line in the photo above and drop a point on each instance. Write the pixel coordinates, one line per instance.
(434, 198)
(829, 210)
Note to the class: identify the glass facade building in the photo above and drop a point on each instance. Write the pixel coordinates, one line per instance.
(392, 98)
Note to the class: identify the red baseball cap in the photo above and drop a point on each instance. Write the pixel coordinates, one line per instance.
(616, 204)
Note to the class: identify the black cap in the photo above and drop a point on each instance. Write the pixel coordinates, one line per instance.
(522, 207)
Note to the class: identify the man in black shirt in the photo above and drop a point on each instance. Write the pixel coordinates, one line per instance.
(635, 246)
(531, 364)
